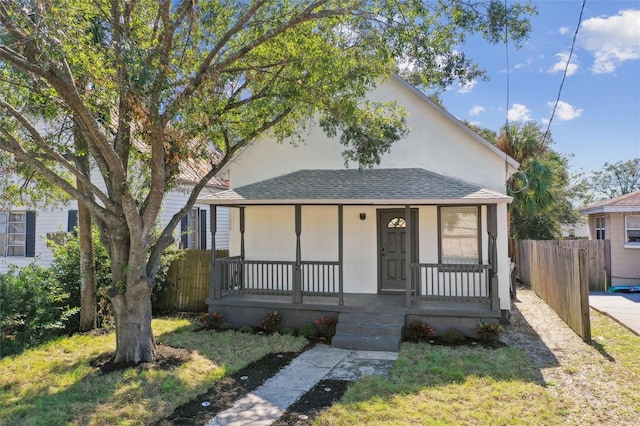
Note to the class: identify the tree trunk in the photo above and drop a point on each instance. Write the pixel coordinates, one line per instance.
(132, 311)
(88, 302)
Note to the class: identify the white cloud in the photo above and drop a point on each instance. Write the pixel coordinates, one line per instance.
(476, 109)
(524, 64)
(563, 30)
(518, 112)
(612, 40)
(562, 63)
(467, 87)
(565, 111)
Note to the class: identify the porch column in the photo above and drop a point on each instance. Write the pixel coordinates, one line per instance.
(242, 233)
(297, 273)
(340, 255)
(241, 269)
(407, 249)
(492, 230)
(215, 283)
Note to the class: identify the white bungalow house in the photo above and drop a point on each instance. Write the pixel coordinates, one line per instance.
(310, 237)
(618, 220)
(24, 233)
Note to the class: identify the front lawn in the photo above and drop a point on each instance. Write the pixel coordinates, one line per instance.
(440, 385)
(54, 384)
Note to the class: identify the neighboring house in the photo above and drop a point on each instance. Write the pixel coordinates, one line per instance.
(578, 230)
(24, 233)
(310, 237)
(618, 220)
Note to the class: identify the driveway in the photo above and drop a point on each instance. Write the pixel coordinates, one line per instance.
(623, 307)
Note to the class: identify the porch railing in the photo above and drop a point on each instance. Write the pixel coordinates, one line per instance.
(452, 282)
(237, 276)
(471, 283)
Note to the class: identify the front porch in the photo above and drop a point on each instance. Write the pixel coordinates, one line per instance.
(364, 321)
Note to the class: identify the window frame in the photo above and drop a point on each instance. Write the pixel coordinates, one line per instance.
(627, 243)
(6, 243)
(478, 236)
(193, 228)
(600, 229)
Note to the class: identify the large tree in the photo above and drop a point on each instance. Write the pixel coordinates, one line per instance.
(615, 179)
(150, 84)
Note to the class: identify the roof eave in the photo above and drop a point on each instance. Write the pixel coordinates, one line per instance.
(610, 209)
(354, 202)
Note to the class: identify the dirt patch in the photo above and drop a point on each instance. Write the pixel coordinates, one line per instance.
(581, 374)
(167, 357)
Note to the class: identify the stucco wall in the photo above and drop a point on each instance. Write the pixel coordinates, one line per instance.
(625, 261)
(434, 143)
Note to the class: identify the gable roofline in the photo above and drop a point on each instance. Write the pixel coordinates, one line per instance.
(512, 162)
(424, 98)
(627, 203)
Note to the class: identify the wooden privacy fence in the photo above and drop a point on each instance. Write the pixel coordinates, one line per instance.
(560, 276)
(598, 254)
(188, 283)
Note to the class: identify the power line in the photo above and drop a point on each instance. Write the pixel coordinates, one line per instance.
(564, 74)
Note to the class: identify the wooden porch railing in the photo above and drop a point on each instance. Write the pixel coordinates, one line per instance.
(237, 276)
(471, 283)
(452, 282)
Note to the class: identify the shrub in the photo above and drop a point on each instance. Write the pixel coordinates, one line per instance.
(246, 329)
(421, 330)
(34, 308)
(225, 326)
(212, 321)
(453, 337)
(308, 331)
(487, 331)
(326, 326)
(287, 331)
(66, 269)
(271, 321)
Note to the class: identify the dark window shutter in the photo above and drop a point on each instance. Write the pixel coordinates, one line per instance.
(203, 229)
(184, 238)
(72, 222)
(30, 235)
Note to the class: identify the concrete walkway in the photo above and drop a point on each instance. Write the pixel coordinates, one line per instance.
(622, 307)
(267, 403)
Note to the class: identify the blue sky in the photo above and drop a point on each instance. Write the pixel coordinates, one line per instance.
(598, 118)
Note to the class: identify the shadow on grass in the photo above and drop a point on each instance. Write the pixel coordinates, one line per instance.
(600, 348)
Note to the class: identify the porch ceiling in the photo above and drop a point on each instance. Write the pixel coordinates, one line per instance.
(358, 187)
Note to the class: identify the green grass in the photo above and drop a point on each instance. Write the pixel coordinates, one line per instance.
(439, 385)
(54, 384)
(436, 385)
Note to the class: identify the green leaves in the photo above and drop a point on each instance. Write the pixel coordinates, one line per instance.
(150, 85)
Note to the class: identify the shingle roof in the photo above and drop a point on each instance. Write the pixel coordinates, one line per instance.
(625, 203)
(349, 186)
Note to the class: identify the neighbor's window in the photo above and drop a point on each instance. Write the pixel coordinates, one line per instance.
(193, 230)
(459, 235)
(13, 230)
(600, 228)
(632, 230)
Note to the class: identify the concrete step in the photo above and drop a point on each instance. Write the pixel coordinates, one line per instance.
(369, 331)
(372, 318)
(366, 343)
